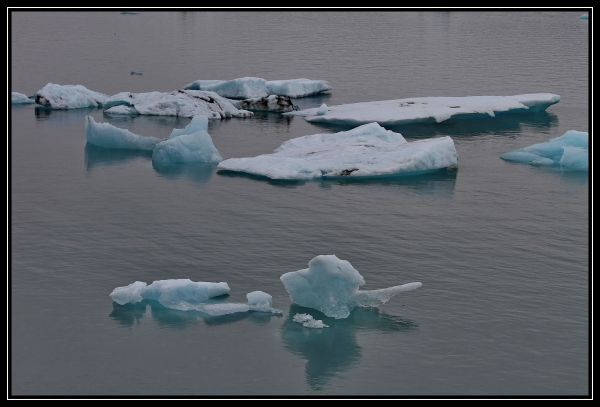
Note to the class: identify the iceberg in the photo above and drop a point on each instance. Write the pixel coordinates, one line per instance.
(20, 99)
(260, 301)
(55, 96)
(366, 151)
(271, 103)
(190, 144)
(427, 109)
(568, 152)
(108, 136)
(297, 88)
(308, 321)
(252, 88)
(330, 285)
(182, 103)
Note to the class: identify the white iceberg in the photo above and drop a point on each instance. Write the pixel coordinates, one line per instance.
(569, 152)
(108, 136)
(260, 301)
(271, 103)
(251, 88)
(182, 103)
(297, 88)
(240, 88)
(121, 110)
(366, 151)
(20, 99)
(190, 144)
(179, 294)
(330, 285)
(68, 97)
(308, 321)
(427, 109)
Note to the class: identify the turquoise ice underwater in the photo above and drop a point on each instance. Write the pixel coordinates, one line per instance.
(501, 248)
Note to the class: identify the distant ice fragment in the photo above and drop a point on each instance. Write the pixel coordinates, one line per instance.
(260, 301)
(181, 103)
(331, 285)
(68, 97)
(108, 136)
(366, 151)
(252, 88)
(190, 144)
(271, 103)
(297, 88)
(427, 109)
(568, 152)
(308, 321)
(20, 99)
(322, 110)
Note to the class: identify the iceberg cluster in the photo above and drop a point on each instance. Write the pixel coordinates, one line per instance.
(182, 103)
(108, 136)
(366, 151)
(331, 285)
(20, 99)
(251, 88)
(55, 96)
(569, 152)
(187, 295)
(190, 144)
(426, 109)
(308, 321)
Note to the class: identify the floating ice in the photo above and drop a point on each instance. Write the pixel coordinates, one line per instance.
(190, 144)
(68, 97)
(427, 109)
(308, 321)
(20, 99)
(260, 301)
(108, 136)
(322, 110)
(569, 152)
(271, 103)
(330, 285)
(122, 110)
(180, 294)
(366, 151)
(251, 88)
(183, 103)
(297, 88)
(240, 88)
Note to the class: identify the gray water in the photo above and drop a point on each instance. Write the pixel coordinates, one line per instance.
(502, 249)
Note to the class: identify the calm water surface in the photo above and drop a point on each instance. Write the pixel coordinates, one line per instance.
(502, 249)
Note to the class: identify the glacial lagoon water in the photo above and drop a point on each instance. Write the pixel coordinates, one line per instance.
(502, 249)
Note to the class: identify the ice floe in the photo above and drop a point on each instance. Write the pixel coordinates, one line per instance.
(108, 136)
(182, 103)
(271, 103)
(55, 96)
(250, 87)
(308, 321)
(427, 109)
(366, 151)
(569, 152)
(331, 285)
(20, 99)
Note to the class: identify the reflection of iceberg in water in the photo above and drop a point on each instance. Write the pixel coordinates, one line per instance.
(199, 173)
(98, 156)
(333, 350)
(128, 314)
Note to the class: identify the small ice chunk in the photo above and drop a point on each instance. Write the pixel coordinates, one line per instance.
(260, 301)
(308, 321)
(68, 97)
(240, 88)
(569, 152)
(20, 99)
(427, 109)
(297, 88)
(129, 294)
(108, 136)
(322, 110)
(365, 151)
(183, 294)
(330, 285)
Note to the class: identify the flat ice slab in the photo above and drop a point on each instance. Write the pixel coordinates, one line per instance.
(190, 144)
(426, 109)
(55, 96)
(108, 136)
(366, 151)
(330, 285)
(20, 99)
(569, 152)
(251, 87)
(182, 103)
